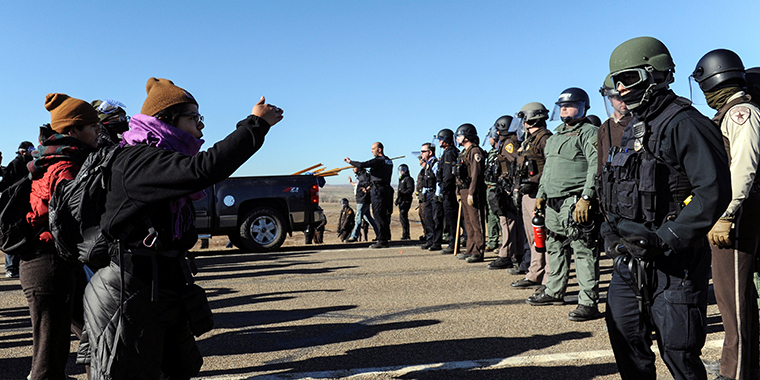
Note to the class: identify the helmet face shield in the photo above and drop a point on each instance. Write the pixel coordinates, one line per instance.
(567, 111)
(516, 126)
(694, 96)
(613, 103)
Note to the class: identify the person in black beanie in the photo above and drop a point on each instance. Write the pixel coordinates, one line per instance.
(16, 170)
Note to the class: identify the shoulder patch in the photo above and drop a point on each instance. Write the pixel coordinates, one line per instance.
(739, 114)
(510, 148)
(477, 157)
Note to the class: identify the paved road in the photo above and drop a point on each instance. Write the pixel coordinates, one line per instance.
(347, 311)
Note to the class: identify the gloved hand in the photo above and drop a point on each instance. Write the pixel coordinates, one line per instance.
(470, 200)
(582, 210)
(637, 247)
(539, 204)
(720, 233)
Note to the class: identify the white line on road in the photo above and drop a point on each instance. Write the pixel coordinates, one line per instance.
(485, 364)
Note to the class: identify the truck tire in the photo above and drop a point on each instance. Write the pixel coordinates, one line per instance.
(262, 230)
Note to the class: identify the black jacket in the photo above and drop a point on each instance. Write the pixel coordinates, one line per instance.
(363, 181)
(380, 169)
(15, 170)
(446, 164)
(693, 145)
(405, 190)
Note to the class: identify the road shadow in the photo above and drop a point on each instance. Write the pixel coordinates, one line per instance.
(409, 354)
(254, 266)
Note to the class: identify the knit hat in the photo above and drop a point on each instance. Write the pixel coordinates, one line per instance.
(162, 94)
(67, 112)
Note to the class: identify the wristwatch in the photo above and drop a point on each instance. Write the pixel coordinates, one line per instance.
(586, 197)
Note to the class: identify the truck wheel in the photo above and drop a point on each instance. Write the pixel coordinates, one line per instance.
(262, 230)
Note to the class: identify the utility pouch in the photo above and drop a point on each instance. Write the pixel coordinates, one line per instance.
(197, 309)
(625, 193)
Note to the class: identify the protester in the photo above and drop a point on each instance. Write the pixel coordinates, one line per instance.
(144, 329)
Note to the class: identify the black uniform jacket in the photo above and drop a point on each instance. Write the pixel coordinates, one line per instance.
(692, 144)
(446, 178)
(380, 168)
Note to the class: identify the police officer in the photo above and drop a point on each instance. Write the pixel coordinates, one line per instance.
(404, 199)
(530, 166)
(381, 192)
(670, 185)
(433, 208)
(447, 185)
(420, 197)
(472, 191)
(505, 138)
(567, 191)
(735, 239)
(611, 131)
(491, 174)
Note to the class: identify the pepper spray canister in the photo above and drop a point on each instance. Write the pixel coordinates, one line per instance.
(539, 231)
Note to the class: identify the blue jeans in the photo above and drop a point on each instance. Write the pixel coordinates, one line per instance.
(11, 263)
(362, 211)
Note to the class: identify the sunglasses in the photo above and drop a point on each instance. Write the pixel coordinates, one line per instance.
(197, 118)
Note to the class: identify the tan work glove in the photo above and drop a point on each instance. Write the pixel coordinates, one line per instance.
(470, 200)
(539, 204)
(582, 209)
(719, 234)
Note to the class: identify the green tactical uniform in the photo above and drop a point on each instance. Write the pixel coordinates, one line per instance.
(569, 172)
(493, 228)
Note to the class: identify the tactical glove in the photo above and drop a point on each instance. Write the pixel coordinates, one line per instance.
(470, 200)
(539, 204)
(582, 210)
(720, 233)
(637, 247)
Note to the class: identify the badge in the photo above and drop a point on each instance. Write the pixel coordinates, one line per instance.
(739, 115)
(510, 148)
(478, 158)
(639, 129)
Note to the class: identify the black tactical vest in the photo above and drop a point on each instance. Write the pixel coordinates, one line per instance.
(638, 184)
(428, 175)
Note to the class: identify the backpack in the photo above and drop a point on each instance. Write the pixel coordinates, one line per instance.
(16, 234)
(75, 209)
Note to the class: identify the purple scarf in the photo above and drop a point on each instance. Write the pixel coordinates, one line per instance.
(144, 129)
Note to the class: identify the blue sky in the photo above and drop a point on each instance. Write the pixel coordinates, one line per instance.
(347, 73)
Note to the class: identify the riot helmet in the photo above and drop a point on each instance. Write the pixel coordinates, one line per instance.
(753, 82)
(612, 101)
(572, 97)
(533, 113)
(112, 114)
(344, 202)
(446, 135)
(719, 68)
(469, 132)
(403, 168)
(642, 66)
